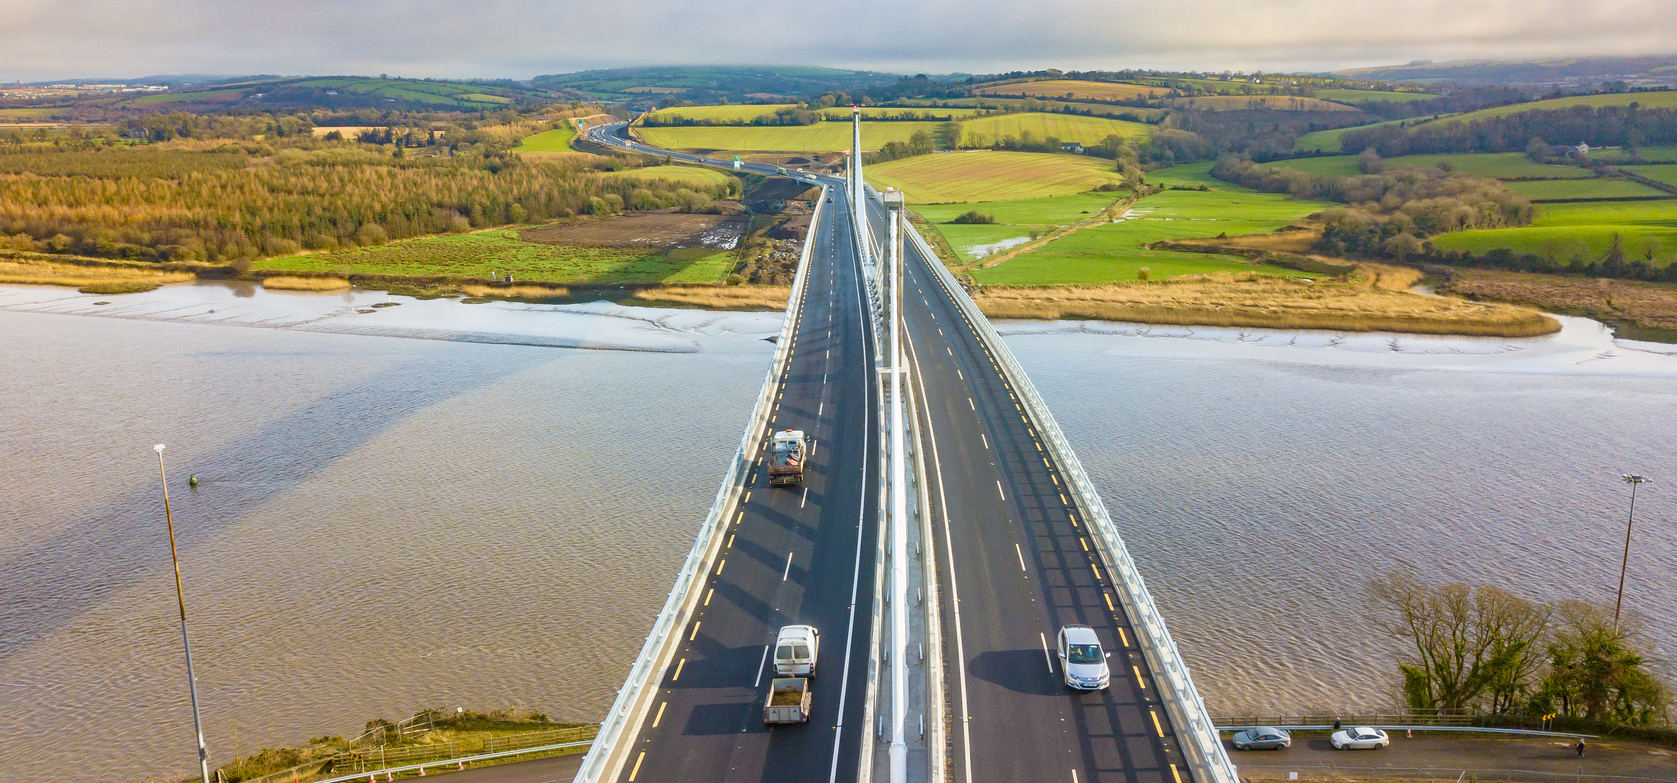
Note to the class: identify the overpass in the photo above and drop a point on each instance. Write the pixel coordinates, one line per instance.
(1017, 544)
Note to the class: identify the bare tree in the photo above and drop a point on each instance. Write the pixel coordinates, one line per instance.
(1471, 643)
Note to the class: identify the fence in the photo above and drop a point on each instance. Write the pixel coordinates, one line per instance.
(408, 755)
(1200, 744)
(1328, 718)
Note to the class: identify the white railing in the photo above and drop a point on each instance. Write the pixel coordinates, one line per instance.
(1206, 756)
(616, 736)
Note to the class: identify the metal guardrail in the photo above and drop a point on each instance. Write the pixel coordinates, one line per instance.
(1402, 727)
(1444, 774)
(1207, 759)
(455, 762)
(610, 749)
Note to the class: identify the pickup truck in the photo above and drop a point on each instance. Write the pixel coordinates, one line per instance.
(795, 650)
(786, 457)
(788, 701)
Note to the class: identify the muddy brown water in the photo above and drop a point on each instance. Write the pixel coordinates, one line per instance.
(384, 525)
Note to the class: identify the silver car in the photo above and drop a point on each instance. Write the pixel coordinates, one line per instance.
(1082, 658)
(1261, 738)
(1359, 738)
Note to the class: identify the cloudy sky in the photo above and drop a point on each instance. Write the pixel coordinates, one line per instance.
(48, 39)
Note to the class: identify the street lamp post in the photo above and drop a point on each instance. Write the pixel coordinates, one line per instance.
(1624, 564)
(180, 599)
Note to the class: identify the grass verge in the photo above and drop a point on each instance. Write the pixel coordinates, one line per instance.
(1372, 300)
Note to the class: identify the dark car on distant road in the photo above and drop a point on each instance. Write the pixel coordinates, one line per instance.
(1261, 738)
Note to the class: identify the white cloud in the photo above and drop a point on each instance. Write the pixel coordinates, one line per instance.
(521, 38)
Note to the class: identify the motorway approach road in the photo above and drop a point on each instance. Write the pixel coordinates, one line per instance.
(798, 554)
(1016, 562)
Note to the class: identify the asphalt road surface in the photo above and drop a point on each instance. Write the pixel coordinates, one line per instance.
(800, 554)
(1017, 555)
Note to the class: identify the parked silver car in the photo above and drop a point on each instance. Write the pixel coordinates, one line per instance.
(1261, 738)
(1082, 658)
(1359, 738)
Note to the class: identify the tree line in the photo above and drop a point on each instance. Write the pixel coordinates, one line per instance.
(224, 201)
(1605, 126)
(1485, 649)
(1389, 211)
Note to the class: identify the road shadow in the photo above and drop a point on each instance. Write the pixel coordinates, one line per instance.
(714, 719)
(1020, 671)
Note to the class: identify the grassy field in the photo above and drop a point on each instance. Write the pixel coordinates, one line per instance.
(1565, 230)
(1039, 212)
(1245, 102)
(1065, 127)
(1545, 190)
(983, 175)
(687, 175)
(1071, 89)
(974, 243)
(178, 97)
(1329, 140)
(1114, 252)
(501, 252)
(989, 102)
(1650, 154)
(556, 140)
(1666, 174)
(1359, 96)
(750, 111)
(1652, 100)
(1498, 165)
(820, 137)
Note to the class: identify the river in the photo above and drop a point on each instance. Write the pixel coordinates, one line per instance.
(479, 519)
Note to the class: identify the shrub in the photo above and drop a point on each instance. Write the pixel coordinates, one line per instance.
(1144, 273)
(974, 217)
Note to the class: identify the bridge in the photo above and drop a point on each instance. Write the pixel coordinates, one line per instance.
(944, 533)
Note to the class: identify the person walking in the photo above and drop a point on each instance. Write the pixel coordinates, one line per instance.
(1580, 747)
(1336, 724)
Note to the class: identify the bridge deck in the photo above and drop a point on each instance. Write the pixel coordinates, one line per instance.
(1016, 550)
(791, 558)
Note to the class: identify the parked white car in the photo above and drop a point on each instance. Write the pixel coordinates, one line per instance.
(1359, 738)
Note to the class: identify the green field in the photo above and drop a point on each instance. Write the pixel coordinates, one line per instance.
(1666, 174)
(1498, 165)
(1650, 154)
(178, 97)
(972, 243)
(1329, 140)
(1360, 96)
(1071, 89)
(1545, 190)
(820, 137)
(686, 175)
(1114, 252)
(1065, 127)
(750, 111)
(988, 102)
(501, 252)
(1035, 212)
(1564, 230)
(1249, 102)
(1651, 100)
(556, 140)
(983, 175)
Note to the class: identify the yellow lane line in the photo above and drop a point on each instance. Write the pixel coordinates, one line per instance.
(660, 715)
(637, 769)
(695, 633)
(1136, 669)
(684, 663)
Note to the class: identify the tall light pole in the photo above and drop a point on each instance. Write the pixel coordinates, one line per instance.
(1632, 480)
(180, 599)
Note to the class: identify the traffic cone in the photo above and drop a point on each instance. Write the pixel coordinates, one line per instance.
(422, 772)
(462, 766)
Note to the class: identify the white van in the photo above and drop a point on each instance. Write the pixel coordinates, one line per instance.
(795, 650)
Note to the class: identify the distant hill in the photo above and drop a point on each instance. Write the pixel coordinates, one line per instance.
(703, 84)
(1660, 69)
(267, 93)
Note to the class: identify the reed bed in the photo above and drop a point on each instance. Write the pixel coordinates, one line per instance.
(294, 283)
(739, 297)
